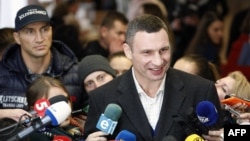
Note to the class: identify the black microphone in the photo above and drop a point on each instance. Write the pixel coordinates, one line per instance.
(54, 115)
(198, 126)
(190, 122)
(169, 138)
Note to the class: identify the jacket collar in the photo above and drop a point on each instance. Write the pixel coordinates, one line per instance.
(62, 55)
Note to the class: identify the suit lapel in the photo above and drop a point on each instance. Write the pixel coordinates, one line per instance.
(133, 109)
(132, 106)
(172, 102)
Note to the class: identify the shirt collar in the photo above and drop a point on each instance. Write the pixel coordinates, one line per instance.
(139, 88)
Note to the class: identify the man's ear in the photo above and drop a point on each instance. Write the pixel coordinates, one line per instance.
(16, 37)
(127, 50)
(103, 31)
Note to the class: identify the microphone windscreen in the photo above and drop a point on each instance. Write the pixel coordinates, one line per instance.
(125, 135)
(207, 113)
(58, 112)
(169, 138)
(194, 137)
(113, 111)
(58, 98)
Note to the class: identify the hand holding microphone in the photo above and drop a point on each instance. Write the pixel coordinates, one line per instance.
(54, 115)
(109, 119)
(106, 123)
(14, 114)
(41, 106)
(208, 115)
(96, 136)
(217, 135)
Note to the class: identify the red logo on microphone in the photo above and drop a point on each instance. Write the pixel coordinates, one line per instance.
(61, 138)
(40, 106)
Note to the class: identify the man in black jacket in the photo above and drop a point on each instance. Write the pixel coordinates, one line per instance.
(35, 54)
(111, 35)
(151, 94)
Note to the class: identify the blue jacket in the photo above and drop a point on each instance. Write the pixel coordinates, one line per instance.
(15, 79)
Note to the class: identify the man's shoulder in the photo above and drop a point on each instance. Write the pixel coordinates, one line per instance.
(92, 44)
(94, 47)
(11, 60)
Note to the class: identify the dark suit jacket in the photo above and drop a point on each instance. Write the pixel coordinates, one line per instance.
(182, 91)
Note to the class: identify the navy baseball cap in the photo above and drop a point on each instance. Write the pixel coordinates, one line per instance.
(30, 14)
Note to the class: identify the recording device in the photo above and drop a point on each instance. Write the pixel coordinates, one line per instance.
(108, 121)
(194, 137)
(232, 100)
(125, 135)
(41, 106)
(54, 115)
(200, 121)
(207, 113)
(231, 110)
(169, 138)
(237, 114)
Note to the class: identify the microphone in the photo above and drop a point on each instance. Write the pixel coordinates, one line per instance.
(84, 111)
(196, 124)
(194, 137)
(207, 113)
(190, 122)
(125, 135)
(169, 138)
(40, 107)
(54, 115)
(108, 121)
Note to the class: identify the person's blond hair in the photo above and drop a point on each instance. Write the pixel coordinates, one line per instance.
(241, 87)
